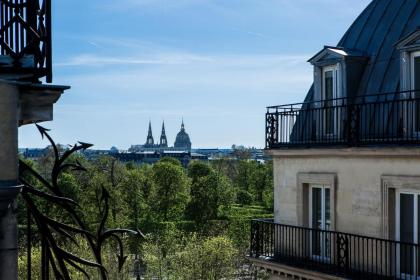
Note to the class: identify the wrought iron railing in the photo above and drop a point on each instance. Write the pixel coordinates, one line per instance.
(343, 254)
(390, 118)
(25, 38)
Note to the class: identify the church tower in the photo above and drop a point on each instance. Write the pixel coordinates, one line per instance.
(182, 141)
(149, 142)
(163, 140)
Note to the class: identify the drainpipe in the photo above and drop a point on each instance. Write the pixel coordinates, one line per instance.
(9, 189)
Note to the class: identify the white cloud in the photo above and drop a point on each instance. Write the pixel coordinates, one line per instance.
(184, 72)
(156, 4)
(97, 60)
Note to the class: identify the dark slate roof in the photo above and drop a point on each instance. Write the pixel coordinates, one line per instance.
(375, 32)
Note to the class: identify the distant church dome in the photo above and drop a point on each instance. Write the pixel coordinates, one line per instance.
(182, 140)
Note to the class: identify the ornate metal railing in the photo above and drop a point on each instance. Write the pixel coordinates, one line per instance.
(25, 38)
(51, 235)
(343, 254)
(382, 119)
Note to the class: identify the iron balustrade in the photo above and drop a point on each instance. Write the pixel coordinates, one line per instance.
(389, 118)
(25, 38)
(336, 253)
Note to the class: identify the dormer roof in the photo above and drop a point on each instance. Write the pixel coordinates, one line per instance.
(378, 32)
(412, 40)
(333, 54)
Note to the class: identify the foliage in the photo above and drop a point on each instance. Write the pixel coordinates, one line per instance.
(244, 197)
(210, 193)
(185, 211)
(82, 250)
(56, 234)
(189, 257)
(172, 190)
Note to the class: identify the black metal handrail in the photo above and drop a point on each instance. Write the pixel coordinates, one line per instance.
(25, 38)
(337, 253)
(387, 118)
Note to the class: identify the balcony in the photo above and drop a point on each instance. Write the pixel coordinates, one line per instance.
(371, 120)
(334, 253)
(25, 39)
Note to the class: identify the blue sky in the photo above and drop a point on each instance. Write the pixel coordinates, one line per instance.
(217, 63)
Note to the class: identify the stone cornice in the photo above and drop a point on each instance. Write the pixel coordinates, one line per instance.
(376, 152)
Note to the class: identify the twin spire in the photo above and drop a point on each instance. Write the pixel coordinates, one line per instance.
(182, 140)
(163, 139)
(150, 142)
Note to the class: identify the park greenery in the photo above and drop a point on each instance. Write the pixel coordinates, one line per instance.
(196, 218)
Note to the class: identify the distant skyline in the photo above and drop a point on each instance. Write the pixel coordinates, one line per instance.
(216, 63)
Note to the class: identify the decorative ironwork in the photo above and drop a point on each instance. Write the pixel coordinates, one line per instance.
(271, 132)
(25, 38)
(53, 232)
(381, 119)
(353, 257)
(343, 251)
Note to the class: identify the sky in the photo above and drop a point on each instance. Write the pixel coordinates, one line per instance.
(216, 63)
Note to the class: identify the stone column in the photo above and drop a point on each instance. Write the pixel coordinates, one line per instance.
(9, 96)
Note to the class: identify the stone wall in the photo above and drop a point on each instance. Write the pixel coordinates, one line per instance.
(360, 179)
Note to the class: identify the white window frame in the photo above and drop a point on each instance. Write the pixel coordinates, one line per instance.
(335, 69)
(412, 57)
(416, 194)
(323, 220)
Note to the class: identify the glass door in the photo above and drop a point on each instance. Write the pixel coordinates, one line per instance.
(320, 220)
(415, 86)
(408, 232)
(330, 93)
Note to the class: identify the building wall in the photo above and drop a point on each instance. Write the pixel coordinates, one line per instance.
(359, 184)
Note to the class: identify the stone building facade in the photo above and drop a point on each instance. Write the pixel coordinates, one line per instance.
(346, 160)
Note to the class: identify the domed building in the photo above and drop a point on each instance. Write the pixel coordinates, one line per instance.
(182, 140)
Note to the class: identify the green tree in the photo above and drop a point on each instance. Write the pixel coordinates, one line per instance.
(242, 179)
(179, 256)
(172, 190)
(244, 197)
(260, 180)
(210, 192)
(210, 259)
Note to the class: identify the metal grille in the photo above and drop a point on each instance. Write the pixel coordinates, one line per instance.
(336, 253)
(382, 119)
(25, 38)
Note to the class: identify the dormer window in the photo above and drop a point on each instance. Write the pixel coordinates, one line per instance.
(330, 88)
(337, 72)
(409, 48)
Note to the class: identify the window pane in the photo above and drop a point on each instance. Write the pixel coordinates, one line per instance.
(416, 250)
(417, 73)
(316, 208)
(316, 220)
(406, 232)
(329, 85)
(327, 209)
(417, 93)
(329, 94)
(327, 237)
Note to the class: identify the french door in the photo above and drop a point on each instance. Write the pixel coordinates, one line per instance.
(330, 93)
(320, 219)
(415, 86)
(407, 231)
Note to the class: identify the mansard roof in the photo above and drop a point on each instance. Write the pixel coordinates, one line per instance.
(375, 33)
